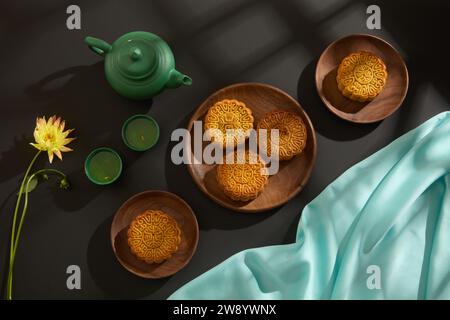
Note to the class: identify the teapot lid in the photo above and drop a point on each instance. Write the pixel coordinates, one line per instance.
(135, 58)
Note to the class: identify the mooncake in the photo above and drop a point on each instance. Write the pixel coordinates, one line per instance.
(291, 133)
(154, 236)
(242, 181)
(361, 76)
(231, 115)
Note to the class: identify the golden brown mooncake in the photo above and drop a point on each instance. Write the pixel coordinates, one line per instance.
(242, 181)
(361, 76)
(291, 133)
(154, 236)
(228, 115)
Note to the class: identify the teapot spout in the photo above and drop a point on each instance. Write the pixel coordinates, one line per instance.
(177, 79)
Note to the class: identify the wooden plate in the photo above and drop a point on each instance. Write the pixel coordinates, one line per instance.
(389, 100)
(292, 175)
(174, 206)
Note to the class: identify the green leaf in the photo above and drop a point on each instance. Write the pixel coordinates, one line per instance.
(32, 184)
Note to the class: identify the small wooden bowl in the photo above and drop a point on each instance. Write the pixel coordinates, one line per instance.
(386, 103)
(293, 174)
(174, 206)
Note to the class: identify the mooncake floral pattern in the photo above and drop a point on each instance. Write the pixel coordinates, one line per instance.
(228, 115)
(291, 133)
(361, 76)
(243, 181)
(154, 236)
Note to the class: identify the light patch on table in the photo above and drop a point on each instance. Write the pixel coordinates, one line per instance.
(225, 51)
(282, 69)
(318, 10)
(203, 10)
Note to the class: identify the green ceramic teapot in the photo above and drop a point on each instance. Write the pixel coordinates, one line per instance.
(139, 65)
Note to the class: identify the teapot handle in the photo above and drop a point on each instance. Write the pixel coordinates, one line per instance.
(99, 46)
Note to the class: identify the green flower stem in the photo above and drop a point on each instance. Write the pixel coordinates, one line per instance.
(15, 241)
(16, 210)
(15, 237)
(25, 204)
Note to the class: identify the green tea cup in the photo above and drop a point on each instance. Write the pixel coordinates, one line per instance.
(140, 132)
(103, 166)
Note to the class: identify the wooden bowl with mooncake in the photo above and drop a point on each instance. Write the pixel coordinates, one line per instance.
(292, 175)
(174, 217)
(377, 107)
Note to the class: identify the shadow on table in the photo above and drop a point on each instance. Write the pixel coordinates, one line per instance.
(325, 122)
(424, 55)
(18, 157)
(82, 97)
(114, 280)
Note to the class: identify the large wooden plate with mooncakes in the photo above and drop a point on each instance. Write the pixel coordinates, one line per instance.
(293, 174)
(386, 103)
(170, 204)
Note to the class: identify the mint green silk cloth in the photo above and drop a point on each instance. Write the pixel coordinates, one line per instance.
(389, 213)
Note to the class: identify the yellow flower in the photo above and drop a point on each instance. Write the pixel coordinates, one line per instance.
(51, 137)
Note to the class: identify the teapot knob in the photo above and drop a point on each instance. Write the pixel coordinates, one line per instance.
(136, 54)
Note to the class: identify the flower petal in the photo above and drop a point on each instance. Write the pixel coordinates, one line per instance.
(50, 156)
(58, 154)
(37, 146)
(57, 122)
(67, 132)
(40, 122)
(68, 140)
(65, 149)
(51, 120)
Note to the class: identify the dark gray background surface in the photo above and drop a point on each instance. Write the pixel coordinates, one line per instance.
(47, 69)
